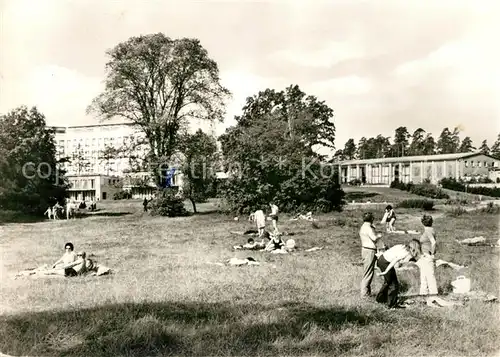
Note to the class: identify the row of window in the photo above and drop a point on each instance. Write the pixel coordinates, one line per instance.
(478, 163)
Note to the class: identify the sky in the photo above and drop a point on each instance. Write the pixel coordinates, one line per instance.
(378, 64)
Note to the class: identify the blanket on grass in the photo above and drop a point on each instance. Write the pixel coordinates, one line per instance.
(42, 272)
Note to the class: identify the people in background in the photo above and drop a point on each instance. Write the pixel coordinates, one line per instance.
(145, 204)
(389, 219)
(368, 250)
(396, 255)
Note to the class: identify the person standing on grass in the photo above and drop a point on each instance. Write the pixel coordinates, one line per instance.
(145, 204)
(389, 219)
(398, 254)
(368, 251)
(274, 215)
(426, 264)
(260, 220)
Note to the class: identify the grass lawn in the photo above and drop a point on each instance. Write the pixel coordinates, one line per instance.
(164, 297)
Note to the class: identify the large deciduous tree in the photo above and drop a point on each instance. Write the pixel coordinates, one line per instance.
(159, 84)
(30, 179)
(271, 154)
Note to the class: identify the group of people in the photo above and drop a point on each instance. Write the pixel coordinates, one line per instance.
(69, 209)
(419, 251)
(71, 263)
(274, 239)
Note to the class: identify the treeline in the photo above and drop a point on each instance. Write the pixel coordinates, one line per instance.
(418, 143)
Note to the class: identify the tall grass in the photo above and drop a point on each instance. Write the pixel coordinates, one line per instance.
(164, 297)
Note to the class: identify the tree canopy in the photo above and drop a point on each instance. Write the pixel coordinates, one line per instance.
(270, 154)
(160, 84)
(30, 179)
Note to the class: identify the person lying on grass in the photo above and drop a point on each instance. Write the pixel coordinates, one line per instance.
(398, 254)
(252, 245)
(68, 257)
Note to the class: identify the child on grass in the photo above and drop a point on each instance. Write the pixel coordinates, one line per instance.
(389, 219)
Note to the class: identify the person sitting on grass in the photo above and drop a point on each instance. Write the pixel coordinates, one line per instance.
(78, 267)
(68, 257)
(398, 254)
(389, 219)
(275, 243)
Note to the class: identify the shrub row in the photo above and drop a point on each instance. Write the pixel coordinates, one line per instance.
(453, 184)
(424, 189)
(427, 205)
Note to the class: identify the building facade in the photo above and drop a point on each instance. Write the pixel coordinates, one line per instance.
(93, 187)
(85, 146)
(417, 169)
(89, 167)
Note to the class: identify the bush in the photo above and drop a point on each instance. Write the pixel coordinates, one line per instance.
(427, 205)
(457, 211)
(122, 195)
(355, 182)
(491, 208)
(457, 201)
(169, 204)
(428, 190)
(485, 191)
(452, 184)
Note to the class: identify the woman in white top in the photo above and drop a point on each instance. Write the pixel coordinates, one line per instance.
(399, 253)
(68, 257)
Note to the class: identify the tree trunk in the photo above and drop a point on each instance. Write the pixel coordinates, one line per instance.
(194, 204)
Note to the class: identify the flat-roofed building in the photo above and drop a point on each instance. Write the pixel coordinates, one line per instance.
(417, 169)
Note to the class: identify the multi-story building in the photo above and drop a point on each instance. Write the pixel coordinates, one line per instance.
(87, 148)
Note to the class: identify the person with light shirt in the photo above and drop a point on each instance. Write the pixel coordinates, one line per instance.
(368, 250)
(398, 254)
(68, 257)
(426, 264)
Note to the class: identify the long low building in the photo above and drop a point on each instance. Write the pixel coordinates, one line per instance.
(417, 169)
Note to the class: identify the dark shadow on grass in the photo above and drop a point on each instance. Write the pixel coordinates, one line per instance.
(187, 329)
(349, 196)
(207, 212)
(19, 217)
(103, 214)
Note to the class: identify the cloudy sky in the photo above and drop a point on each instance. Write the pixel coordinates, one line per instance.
(378, 64)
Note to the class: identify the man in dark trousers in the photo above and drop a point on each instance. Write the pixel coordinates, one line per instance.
(145, 204)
